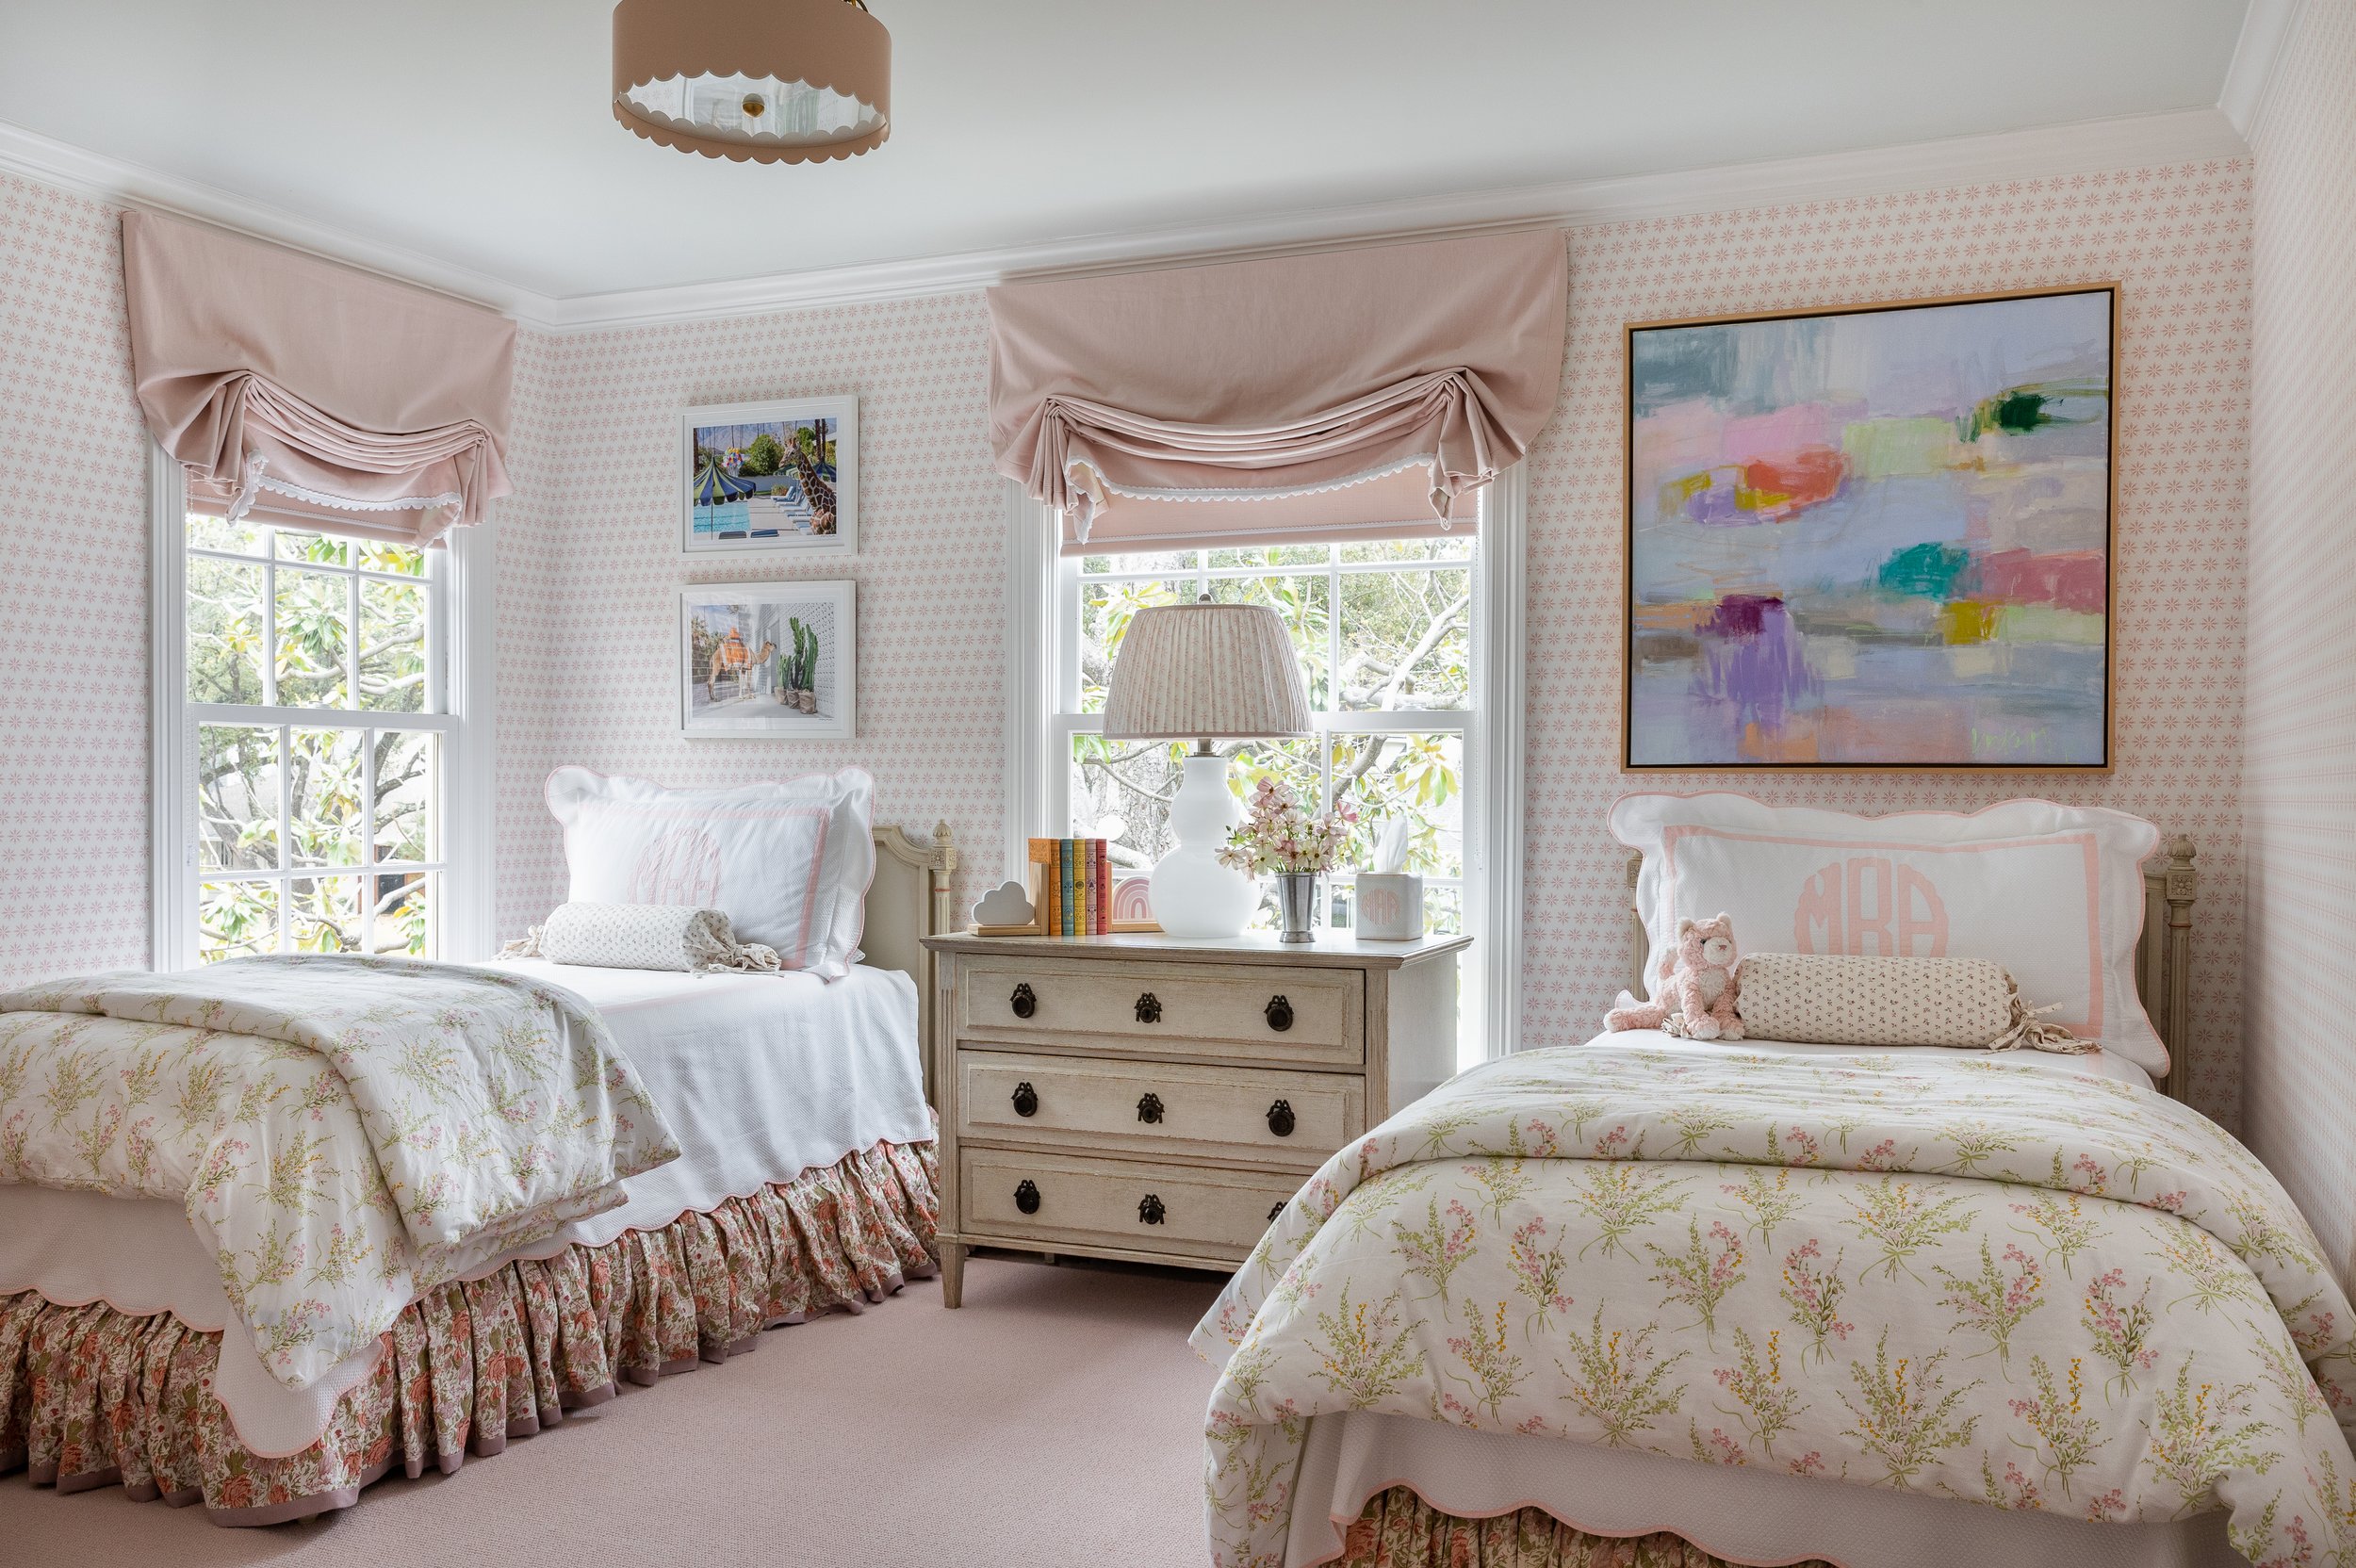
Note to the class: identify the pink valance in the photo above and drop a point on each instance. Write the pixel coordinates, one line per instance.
(1313, 397)
(307, 393)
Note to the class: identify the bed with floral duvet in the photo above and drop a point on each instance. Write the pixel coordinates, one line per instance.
(1952, 1278)
(382, 1160)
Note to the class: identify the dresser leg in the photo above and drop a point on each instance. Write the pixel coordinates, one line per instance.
(952, 1274)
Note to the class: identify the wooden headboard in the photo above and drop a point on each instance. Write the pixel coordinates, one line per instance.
(2163, 956)
(908, 902)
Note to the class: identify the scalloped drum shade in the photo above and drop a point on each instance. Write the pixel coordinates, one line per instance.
(1205, 672)
(761, 81)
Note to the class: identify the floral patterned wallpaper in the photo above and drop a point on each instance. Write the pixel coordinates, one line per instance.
(588, 567)
(2177, 239)
(2299, 793)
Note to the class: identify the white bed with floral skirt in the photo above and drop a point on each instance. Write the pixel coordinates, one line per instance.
(1904, 1308)
(769, 1156)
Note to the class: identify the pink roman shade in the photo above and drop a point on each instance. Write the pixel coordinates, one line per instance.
(1333, 396)
(309, 394)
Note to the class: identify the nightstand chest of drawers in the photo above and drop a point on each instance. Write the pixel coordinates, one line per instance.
(1157, 1099)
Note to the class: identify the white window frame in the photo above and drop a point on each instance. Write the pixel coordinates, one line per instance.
(464, 623)
(1040, 621)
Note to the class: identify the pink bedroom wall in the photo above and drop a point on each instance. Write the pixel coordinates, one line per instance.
(2299, 789)
(73, 823)
(589, 661)
(588, 572)
(2177, 239)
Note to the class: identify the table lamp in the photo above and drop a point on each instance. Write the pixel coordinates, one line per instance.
(1204, 671)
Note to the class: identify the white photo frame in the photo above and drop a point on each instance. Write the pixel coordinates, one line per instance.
(750, 483)
(769, 660)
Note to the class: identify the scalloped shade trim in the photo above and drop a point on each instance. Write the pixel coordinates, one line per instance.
(768, 81)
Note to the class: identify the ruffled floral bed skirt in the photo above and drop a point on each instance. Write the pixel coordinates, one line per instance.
(90, 1396)
(1398, 1530)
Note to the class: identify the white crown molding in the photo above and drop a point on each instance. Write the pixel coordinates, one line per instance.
(63, 165)
(2083, 147)
(2267, 26)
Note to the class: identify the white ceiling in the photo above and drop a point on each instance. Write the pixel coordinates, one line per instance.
(476, 132)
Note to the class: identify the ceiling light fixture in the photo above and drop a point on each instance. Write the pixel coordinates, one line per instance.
(768, 81)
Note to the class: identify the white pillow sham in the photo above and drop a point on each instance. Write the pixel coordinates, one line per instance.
(787, 861)
(2053, 894)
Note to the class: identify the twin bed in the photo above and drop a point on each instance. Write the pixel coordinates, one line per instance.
(1590, 1305)
(699, 1157)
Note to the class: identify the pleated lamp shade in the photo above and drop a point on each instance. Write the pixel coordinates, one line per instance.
(1205, 672)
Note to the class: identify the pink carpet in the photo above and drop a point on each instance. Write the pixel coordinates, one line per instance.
(1056, 1419)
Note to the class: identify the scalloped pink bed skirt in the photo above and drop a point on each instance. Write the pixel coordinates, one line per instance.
(90, 1396)
(1398, 1530)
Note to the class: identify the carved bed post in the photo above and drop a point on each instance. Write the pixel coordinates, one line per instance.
(1636, 952)
(2180, 884)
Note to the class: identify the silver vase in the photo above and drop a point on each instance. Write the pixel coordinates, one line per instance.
(1296, 906)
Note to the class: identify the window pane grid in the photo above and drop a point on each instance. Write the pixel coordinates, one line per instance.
(340, 850)
(1374, 636)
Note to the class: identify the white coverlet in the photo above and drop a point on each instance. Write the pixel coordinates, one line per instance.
(762, 1077)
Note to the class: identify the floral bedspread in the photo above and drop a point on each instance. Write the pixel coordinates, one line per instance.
(2028, 1288)
(345, 1131)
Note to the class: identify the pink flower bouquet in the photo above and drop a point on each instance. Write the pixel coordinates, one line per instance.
(1278, 836)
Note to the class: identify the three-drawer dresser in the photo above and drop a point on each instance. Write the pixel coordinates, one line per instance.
(1158, 1098)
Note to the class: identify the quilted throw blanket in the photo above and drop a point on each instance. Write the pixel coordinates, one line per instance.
(345, 1131)
(2031, 1289)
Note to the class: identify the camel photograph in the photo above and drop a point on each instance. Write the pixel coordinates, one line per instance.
(767, 658)
(770, 476)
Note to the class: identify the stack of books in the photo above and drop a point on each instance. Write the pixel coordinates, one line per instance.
(1071, 886)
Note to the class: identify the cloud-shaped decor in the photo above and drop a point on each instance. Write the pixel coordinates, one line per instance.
(1006, 903)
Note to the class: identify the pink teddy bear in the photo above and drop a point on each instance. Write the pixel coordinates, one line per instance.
(1698, 997)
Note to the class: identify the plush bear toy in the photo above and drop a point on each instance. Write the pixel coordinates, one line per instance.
(1696, 996)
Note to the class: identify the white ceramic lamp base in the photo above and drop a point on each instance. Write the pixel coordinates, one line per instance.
(1193, 894)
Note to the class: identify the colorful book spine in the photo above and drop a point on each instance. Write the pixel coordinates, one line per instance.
(1064, 926)
(1105, 887)
(1086, 850)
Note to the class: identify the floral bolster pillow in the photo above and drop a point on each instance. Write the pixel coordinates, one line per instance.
(1834, 999)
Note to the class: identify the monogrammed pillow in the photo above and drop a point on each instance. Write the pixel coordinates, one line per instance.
(641, 936)
(2052, 892)
(1833, 999)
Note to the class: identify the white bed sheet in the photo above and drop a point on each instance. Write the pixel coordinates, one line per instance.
(1742, 1514)
(762, 1076)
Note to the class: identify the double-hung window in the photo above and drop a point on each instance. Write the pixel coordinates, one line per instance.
(1408, 647)
(309, 743)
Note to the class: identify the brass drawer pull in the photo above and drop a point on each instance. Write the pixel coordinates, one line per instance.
(1025, 1099)
(1149, 1210)
(1149, 1106)
(1149, 1008)
(1280, 1014)
(1024, 1001)
(1026, 1197)
(1279, 1119)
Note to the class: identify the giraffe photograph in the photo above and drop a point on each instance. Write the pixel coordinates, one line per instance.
(774, 660)
(774, 475)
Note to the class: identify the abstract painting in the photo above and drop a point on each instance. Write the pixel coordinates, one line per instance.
(1871, 538)
(769, 660)
(779, 475)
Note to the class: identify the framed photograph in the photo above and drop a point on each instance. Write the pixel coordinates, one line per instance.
(1871, 538)
(769, 660)
(774, 476)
